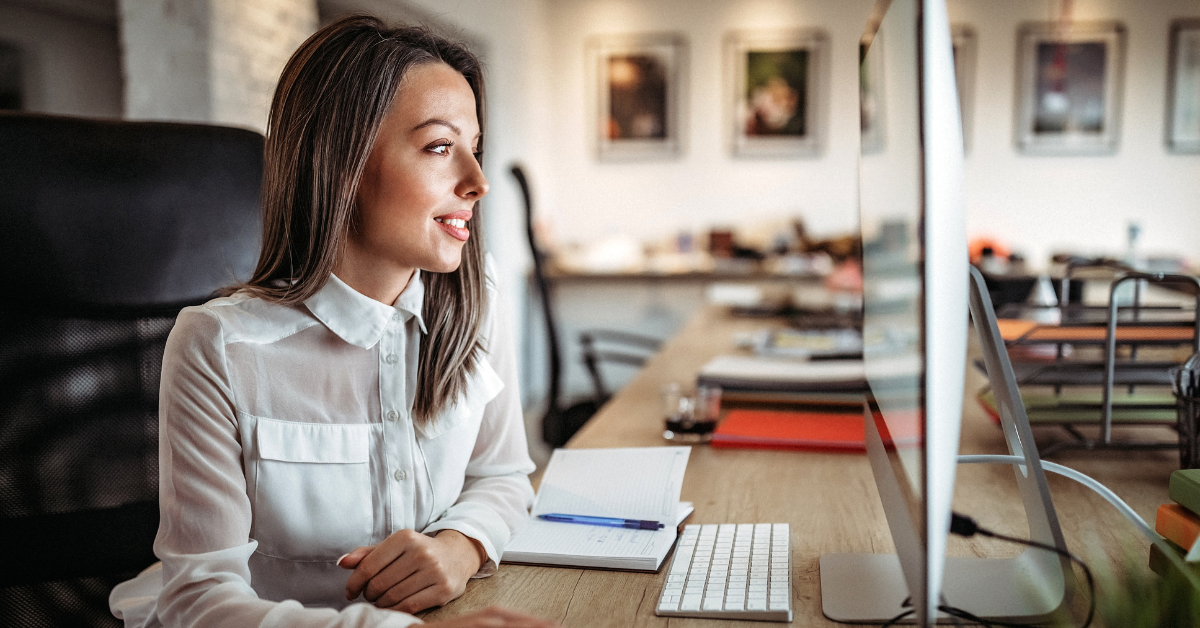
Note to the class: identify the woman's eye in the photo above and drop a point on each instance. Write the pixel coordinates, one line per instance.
(442, 148)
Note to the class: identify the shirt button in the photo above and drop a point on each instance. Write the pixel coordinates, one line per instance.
(400, 475)
(392, 415)
(397, 316)
(391, 358)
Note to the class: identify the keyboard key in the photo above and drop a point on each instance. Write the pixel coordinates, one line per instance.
(690, 603)
(779, 606)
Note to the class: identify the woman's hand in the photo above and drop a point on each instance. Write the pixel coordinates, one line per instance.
(494, 617)
(411, 572)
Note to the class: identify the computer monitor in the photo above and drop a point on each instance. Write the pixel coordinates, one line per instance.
(915, 325)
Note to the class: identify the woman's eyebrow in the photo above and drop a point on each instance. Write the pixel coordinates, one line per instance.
(438, 121)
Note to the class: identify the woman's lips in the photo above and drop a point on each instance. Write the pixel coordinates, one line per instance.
(455, 224)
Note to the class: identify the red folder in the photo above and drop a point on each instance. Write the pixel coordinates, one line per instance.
(774, 429)
(814, 431)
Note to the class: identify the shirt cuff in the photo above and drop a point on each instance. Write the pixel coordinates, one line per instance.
(472, 532)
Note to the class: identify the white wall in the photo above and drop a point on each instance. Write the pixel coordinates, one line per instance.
(211, 61)
(72, 62)
(165, 56)
(1039, 204)
(250, 44)
(1043, 204)
(706, 186)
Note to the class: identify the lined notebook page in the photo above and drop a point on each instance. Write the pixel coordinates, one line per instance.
(567, 539)
(628, 483)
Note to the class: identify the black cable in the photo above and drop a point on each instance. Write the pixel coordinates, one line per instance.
(965, 526)
(892, 622)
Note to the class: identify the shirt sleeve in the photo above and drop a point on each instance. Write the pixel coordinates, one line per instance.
(203, 538)
(496, 494)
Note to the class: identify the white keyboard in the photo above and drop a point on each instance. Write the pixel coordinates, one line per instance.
(730, 571)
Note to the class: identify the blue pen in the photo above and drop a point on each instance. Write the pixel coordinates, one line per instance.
(633, 524)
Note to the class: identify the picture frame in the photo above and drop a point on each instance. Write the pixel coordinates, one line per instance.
(638, 85)
(963, 41)
(776, 92)
(1069, 87)
(872, 115)
(1183, 88)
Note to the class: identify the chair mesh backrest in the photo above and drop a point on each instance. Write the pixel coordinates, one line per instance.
(141, 219)
(79, 413)
(80, 436)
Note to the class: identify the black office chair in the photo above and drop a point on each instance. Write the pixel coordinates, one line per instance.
(559, 424)
(606, 346)
(109, 228)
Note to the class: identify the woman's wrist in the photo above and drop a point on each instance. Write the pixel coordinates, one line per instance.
(471, 551)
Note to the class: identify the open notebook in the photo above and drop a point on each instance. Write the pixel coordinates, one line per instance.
(628, 483)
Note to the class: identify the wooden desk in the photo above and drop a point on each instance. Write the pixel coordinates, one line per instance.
(829, 499)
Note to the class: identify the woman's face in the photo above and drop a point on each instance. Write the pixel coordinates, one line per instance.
(422, 178)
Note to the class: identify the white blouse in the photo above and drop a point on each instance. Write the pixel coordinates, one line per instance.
(286, 440)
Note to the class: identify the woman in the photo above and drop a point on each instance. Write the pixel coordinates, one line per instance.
(345, 427)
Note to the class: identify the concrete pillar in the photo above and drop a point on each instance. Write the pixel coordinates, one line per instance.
(211, 61)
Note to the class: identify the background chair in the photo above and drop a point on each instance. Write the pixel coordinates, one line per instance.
(109, 229)
(606, 346)
(560, 423)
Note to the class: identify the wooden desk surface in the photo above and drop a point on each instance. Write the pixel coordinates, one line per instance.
(829, 499)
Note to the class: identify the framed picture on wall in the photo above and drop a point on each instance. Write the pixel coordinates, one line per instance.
(963, 41)
(1183, 96)
(1069, 87)
(776, 90)
(639, 93)
(870, 97)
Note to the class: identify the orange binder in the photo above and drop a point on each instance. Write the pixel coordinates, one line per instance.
(1177, 524)
(775, 429)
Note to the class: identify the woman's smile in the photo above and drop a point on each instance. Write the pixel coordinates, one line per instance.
(455, 223)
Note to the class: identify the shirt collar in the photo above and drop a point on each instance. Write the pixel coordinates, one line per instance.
(359, 319)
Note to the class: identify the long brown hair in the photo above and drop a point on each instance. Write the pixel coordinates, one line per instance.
(331, 99)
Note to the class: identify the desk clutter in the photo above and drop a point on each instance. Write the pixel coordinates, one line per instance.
(1111, 366)
(778, 246)
(1179, 522)
(798, 389)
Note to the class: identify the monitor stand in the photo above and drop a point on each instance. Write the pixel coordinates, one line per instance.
(870, 588)
(1032, 587)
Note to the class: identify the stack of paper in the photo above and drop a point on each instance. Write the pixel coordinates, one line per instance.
(833, 384)
(628, 483)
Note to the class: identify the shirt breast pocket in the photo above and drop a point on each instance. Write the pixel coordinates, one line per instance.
(312, 497)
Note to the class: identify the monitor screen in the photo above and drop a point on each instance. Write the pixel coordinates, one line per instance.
(914, 279)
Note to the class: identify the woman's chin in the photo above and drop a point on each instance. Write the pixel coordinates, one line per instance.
(444, 266)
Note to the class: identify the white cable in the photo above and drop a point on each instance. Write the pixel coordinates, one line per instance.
(1085, 480)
